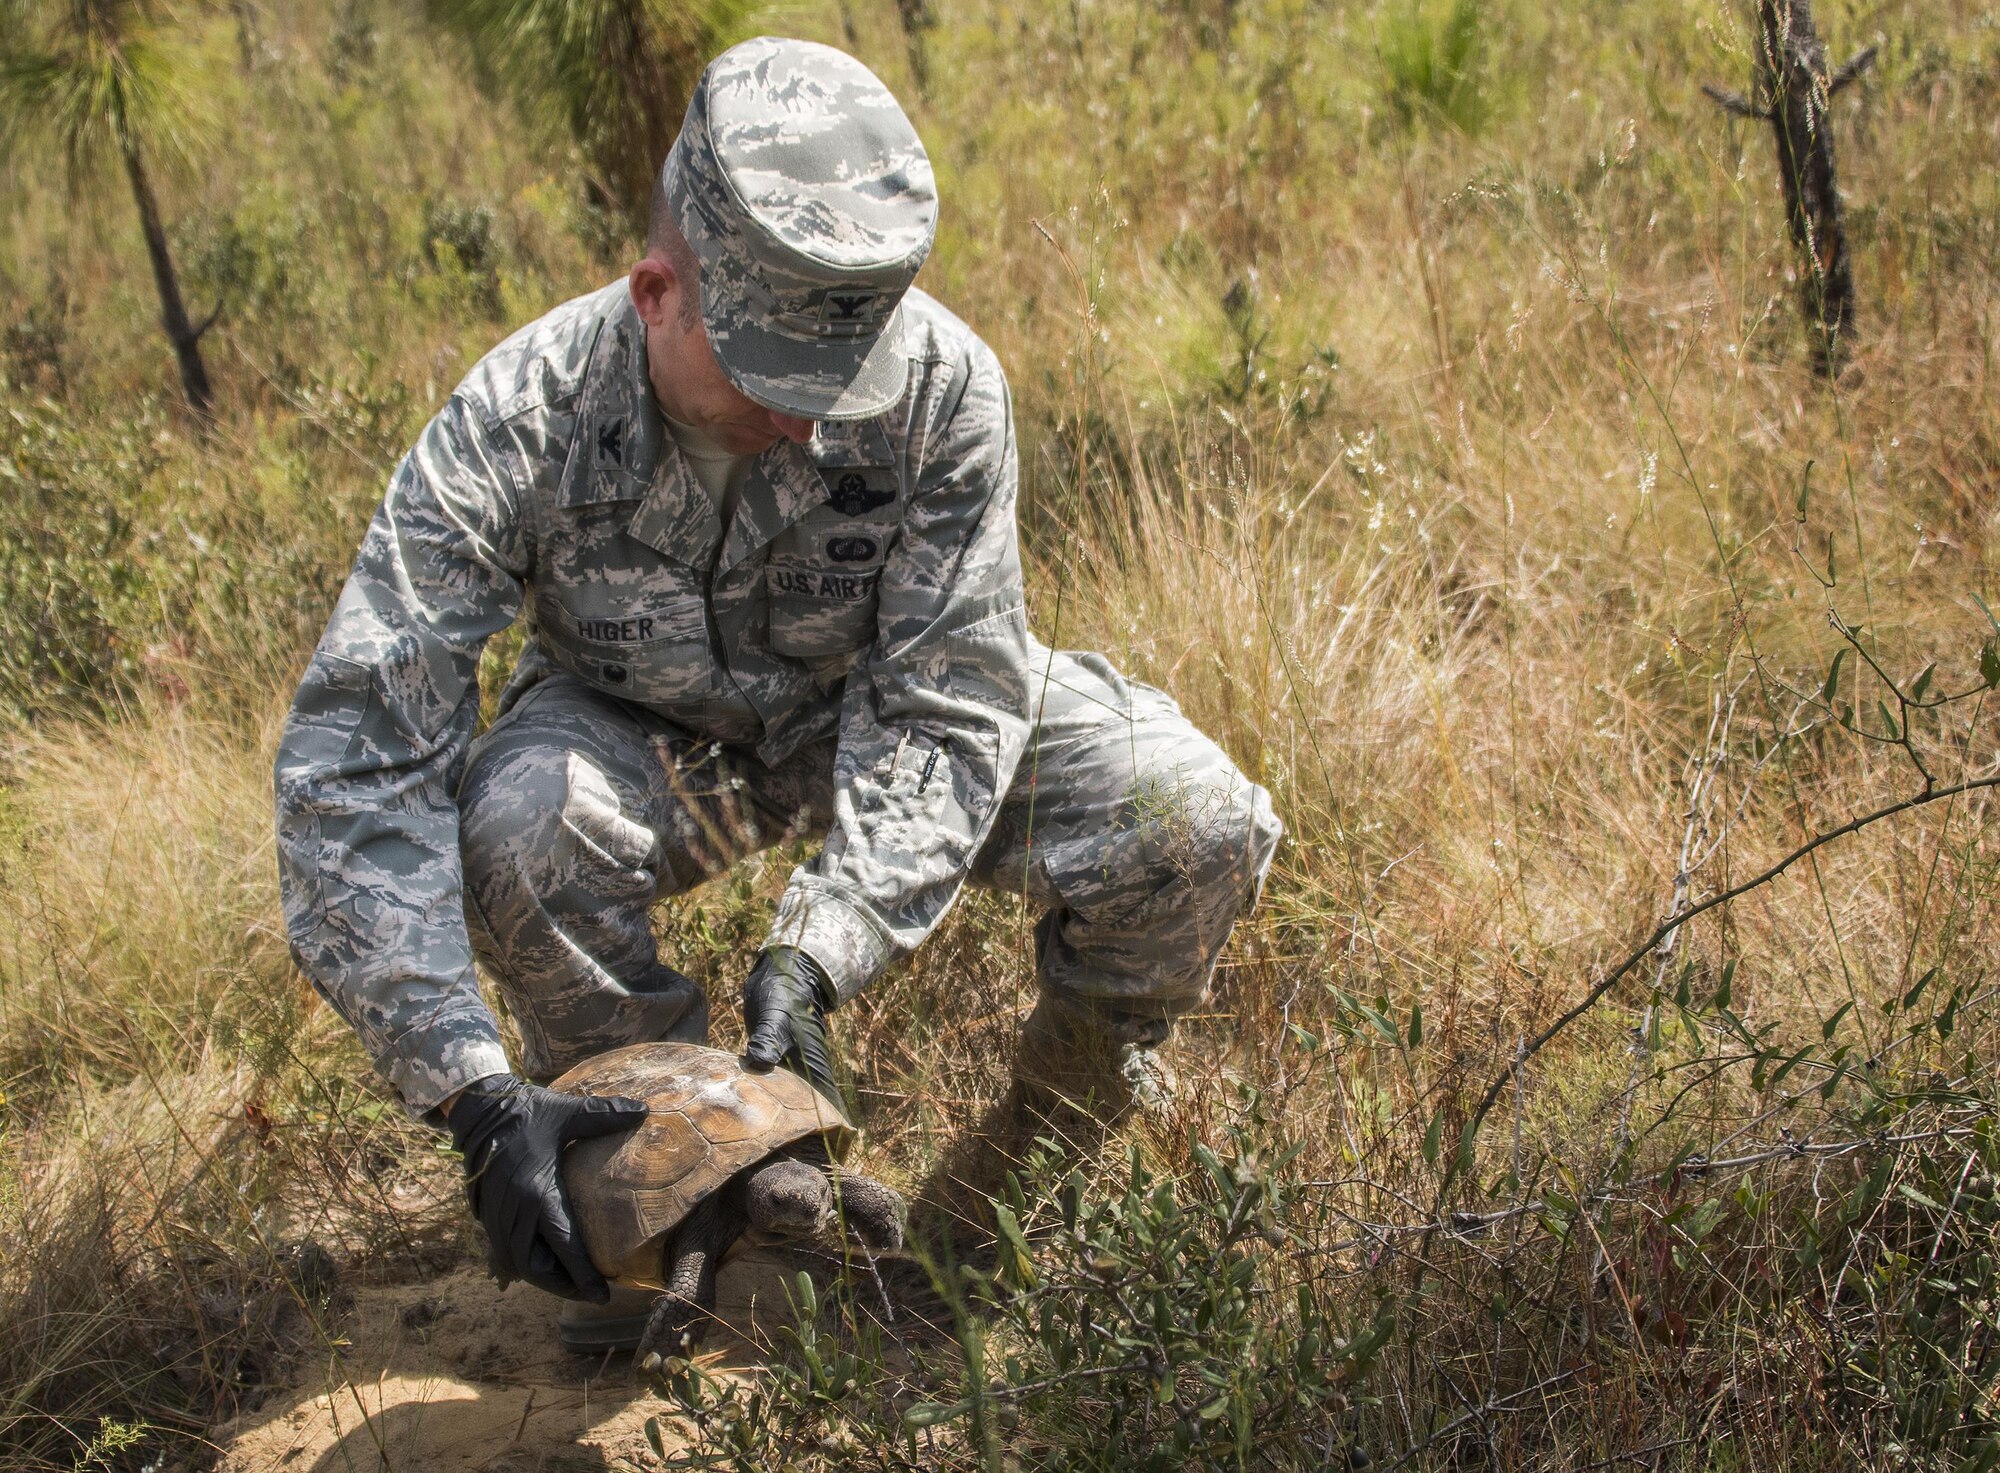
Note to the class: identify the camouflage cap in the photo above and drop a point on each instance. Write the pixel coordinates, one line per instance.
(808, 199)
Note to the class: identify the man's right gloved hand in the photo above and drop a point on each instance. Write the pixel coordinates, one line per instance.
(785, 1002)
(512, 1134)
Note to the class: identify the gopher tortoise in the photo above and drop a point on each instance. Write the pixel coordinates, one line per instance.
(724, 1151)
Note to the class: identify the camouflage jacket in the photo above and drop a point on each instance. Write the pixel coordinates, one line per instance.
(868, 585)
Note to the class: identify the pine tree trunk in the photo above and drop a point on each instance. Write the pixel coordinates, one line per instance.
(628, 143)
(1797, 89)
(917, 18)
(185, 337)
(246, 34)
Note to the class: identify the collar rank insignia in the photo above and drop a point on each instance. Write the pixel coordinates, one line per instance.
(611, 442)
(853, 490)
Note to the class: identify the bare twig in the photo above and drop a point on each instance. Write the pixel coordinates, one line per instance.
(1480, 1413)
(1637, 1454)
(1673, 923)
(1853, 67)
(1701, 801)
(1466, 1224)
(1737, 103)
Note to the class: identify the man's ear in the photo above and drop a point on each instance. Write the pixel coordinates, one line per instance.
(654, 288)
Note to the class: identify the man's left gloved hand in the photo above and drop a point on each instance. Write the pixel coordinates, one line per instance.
(785, 1003)
(512, 1135)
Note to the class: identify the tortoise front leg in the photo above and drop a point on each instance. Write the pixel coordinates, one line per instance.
(692, 1253)
(873, 1212)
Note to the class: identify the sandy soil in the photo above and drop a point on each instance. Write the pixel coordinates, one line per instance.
(453, 1376)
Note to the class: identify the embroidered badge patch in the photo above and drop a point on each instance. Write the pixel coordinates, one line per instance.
(820, 583)
(850, 549)
(853, 490)
(854, 310)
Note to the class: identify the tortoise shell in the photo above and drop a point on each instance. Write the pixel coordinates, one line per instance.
(710, 1117)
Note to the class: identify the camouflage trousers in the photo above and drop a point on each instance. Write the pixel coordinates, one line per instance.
(1136, 835)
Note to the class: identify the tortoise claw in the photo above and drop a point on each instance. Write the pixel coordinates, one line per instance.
(673, 1330)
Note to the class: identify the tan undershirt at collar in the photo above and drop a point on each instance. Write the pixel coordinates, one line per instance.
(720, 472)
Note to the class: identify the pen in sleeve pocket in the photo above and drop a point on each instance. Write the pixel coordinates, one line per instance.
(930, 766)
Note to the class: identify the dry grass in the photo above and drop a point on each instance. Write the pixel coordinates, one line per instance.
(1452, 481)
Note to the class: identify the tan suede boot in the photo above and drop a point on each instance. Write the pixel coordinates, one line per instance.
(1092, 1060)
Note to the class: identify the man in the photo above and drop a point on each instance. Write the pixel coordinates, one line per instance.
(757, 502)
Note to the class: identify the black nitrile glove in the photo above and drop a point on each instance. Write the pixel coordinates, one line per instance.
(512, 1134)
(785, 1003)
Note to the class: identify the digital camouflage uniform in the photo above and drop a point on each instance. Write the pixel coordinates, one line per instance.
(849, 657)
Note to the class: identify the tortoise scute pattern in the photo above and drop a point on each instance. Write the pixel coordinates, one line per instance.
(709, 1119)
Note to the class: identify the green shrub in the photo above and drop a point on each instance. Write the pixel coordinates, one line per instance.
(255, 261)
(75, 582)
(1165, 1326)
(1434, 64)
(124, 566)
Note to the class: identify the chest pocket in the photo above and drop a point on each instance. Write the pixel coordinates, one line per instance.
(822, 607)
(649, 649)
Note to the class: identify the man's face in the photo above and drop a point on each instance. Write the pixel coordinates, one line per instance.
(689, 384)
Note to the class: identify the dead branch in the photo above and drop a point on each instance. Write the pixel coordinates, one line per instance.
(1793, 90)
(1674, 922)
(1854, 66)
(1737, 103)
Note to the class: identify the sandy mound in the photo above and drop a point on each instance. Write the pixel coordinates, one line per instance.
(453, 1376)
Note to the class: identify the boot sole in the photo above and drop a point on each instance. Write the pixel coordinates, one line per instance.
(595, 1337)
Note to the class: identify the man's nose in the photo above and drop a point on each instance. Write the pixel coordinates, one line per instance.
(792, 428)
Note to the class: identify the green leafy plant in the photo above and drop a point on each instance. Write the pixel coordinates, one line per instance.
(613, 74)
(1434, 64)
(1158, 1326)
(75, 587)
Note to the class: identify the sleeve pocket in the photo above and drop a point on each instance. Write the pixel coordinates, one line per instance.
(920, 813)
